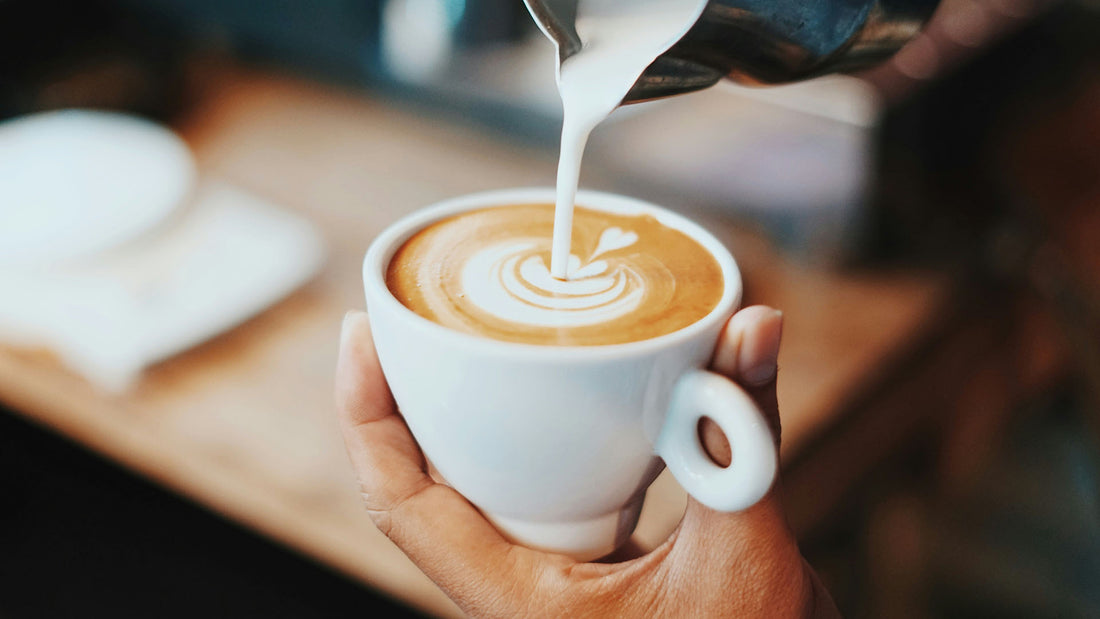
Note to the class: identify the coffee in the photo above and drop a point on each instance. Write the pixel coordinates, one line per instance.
(487, 272)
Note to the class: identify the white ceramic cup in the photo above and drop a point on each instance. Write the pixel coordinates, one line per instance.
(556, 445)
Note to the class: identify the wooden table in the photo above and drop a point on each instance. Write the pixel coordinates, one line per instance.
(244, 424)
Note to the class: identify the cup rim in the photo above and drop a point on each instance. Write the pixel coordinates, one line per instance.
(385, 245)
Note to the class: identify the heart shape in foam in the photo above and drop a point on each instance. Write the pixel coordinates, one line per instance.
(592, 269)
(614, 238)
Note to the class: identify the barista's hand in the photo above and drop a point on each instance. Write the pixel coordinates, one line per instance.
(715, 564)
(956, 31)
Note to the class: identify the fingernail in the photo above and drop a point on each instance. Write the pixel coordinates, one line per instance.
(759, 355)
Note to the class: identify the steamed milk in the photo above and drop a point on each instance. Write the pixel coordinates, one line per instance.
(485, 272)
(621, 38)
(552, 274)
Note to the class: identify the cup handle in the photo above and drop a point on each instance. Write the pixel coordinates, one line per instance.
(747, 479)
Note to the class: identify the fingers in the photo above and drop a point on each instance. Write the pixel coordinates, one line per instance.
(438, 529)
(747, 353)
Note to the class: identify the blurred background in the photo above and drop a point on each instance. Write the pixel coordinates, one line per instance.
(956, 473)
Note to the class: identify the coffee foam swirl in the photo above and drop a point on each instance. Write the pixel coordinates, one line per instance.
(512, 282)
(487, 272)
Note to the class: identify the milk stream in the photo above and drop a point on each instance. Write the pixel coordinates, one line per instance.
(621, 38)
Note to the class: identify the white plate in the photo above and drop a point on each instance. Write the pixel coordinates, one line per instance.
(74, 182)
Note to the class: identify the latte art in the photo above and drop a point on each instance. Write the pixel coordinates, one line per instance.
(488, 272)
(513, 282)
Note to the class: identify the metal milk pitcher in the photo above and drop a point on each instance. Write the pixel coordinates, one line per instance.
(759, 41)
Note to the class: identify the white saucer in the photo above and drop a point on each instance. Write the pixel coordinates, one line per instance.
(226, 257)
(75, 182)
